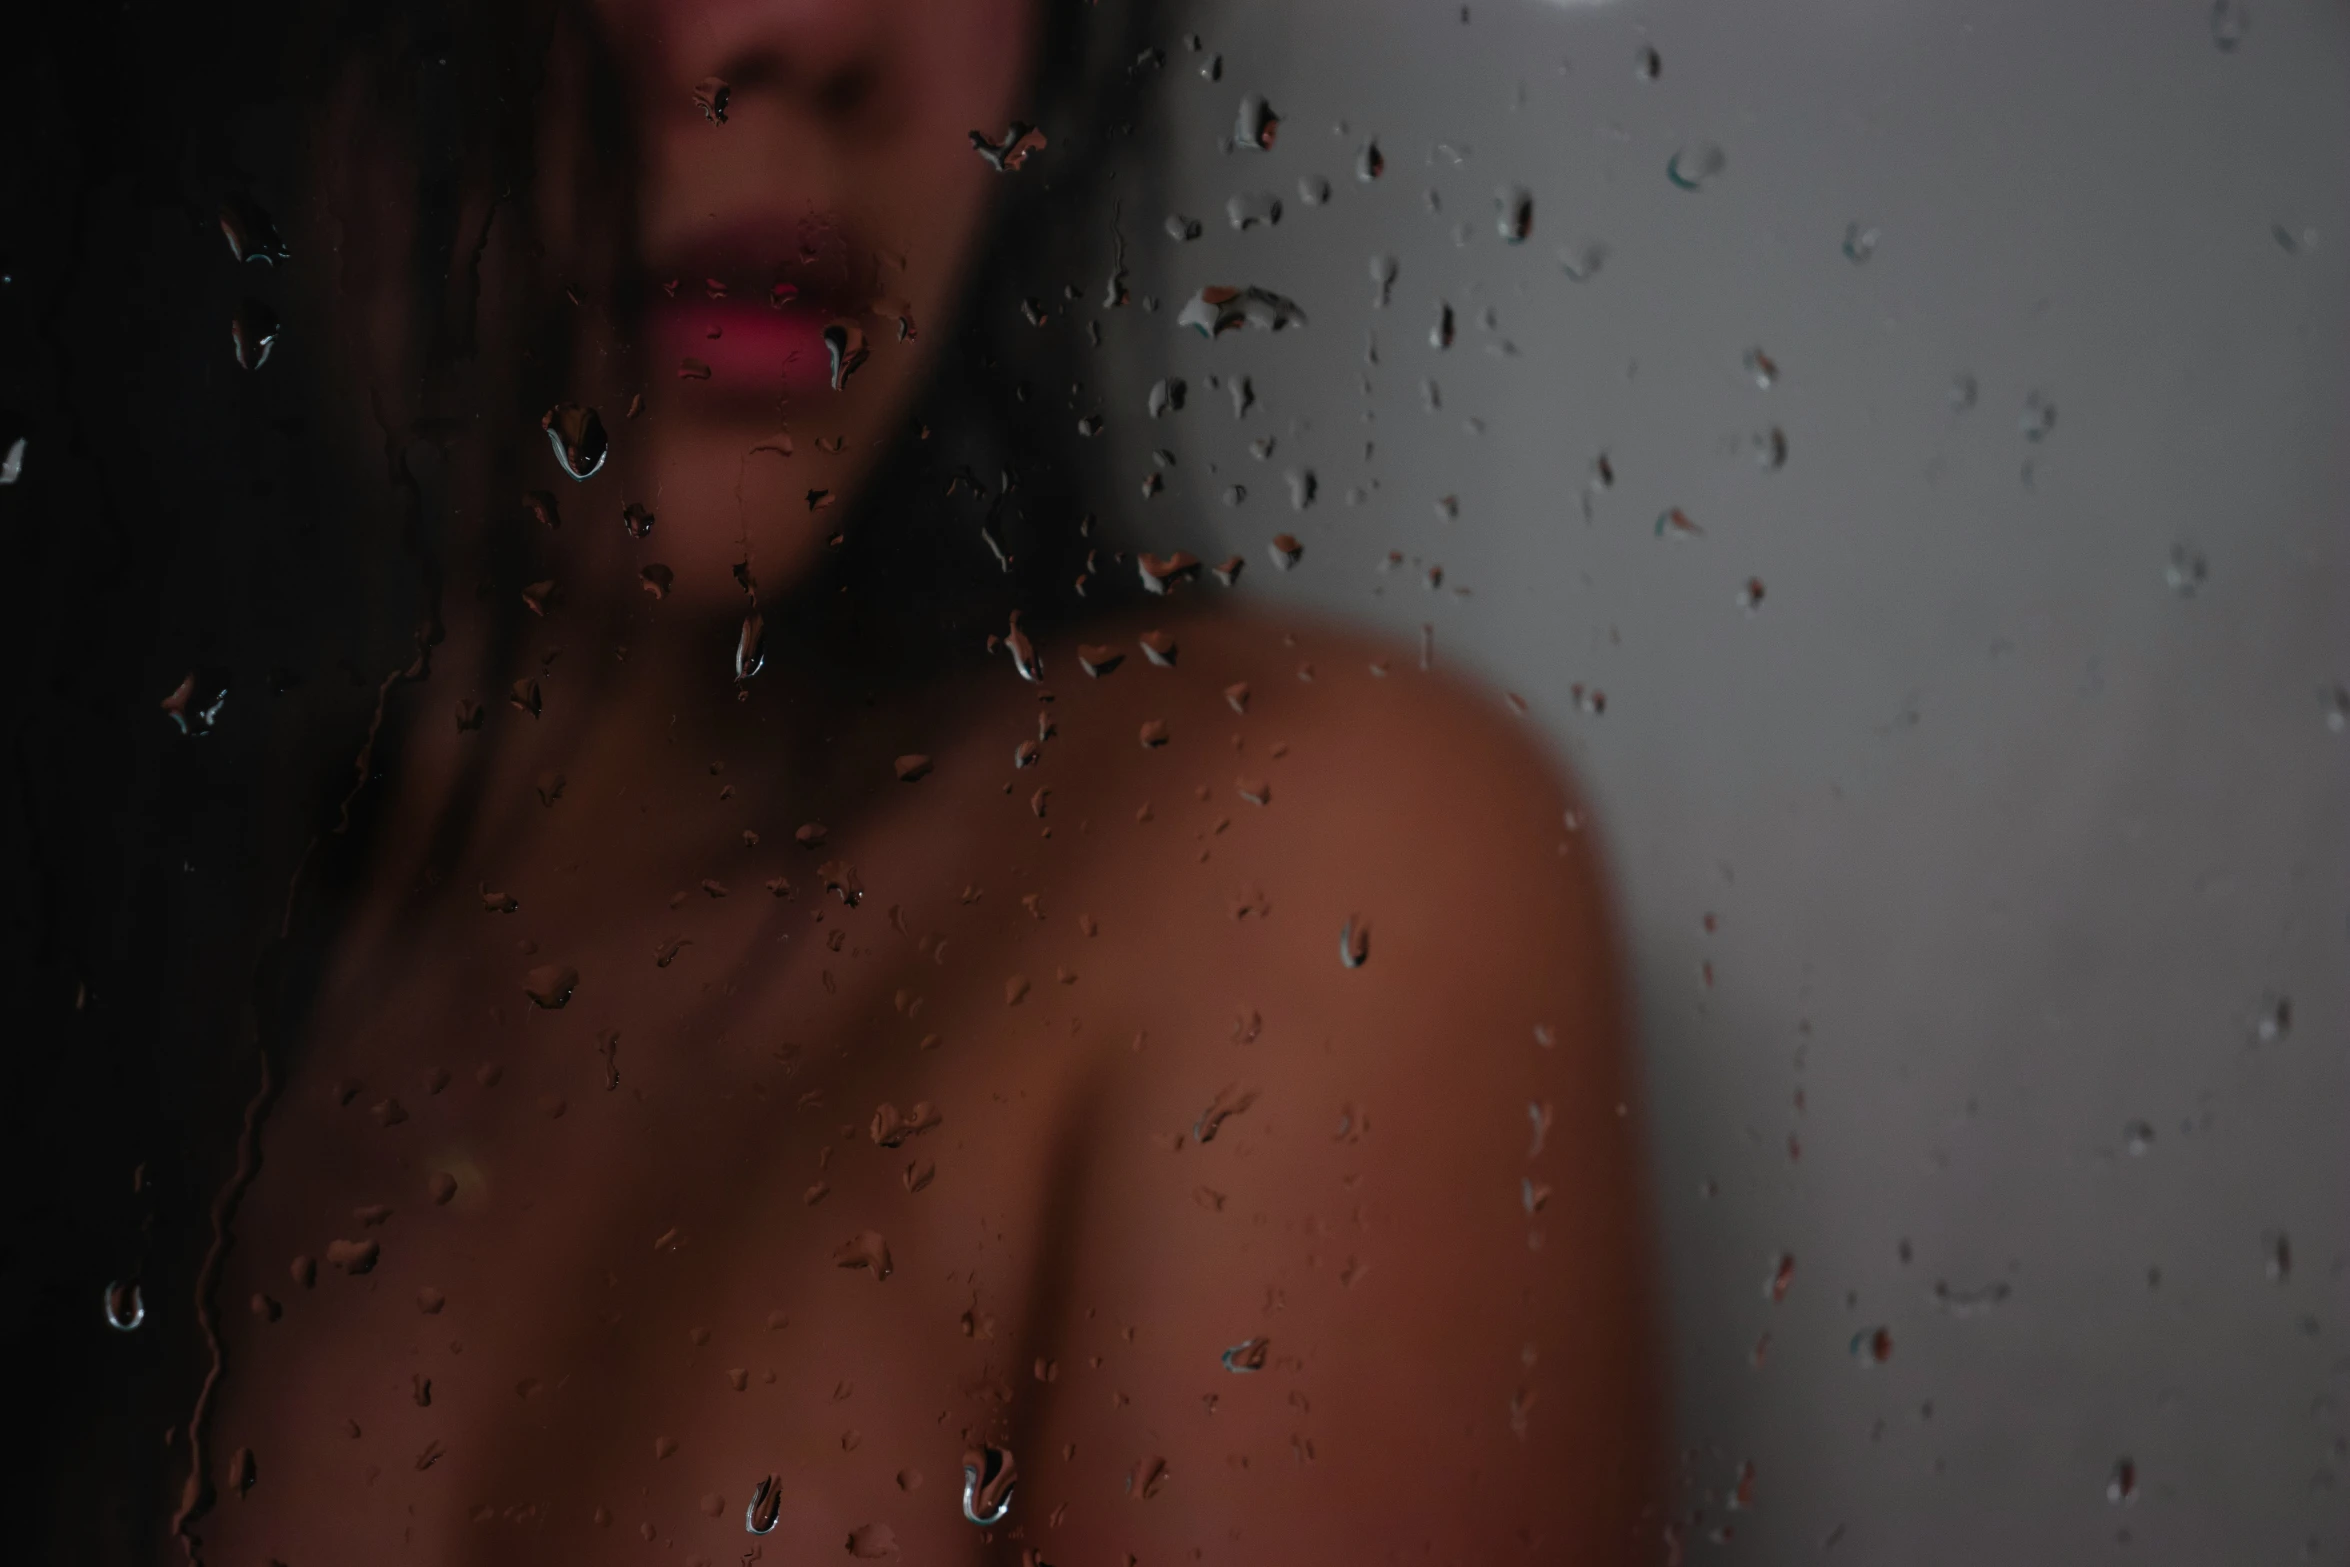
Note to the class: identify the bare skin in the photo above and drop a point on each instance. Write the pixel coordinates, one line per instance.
(1368, 1212)
(1170, 1119)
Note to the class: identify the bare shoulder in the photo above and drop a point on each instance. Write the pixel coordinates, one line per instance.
(1303, 782)
(1342, 1081)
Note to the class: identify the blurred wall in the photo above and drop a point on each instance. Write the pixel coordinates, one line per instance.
(1988, 880)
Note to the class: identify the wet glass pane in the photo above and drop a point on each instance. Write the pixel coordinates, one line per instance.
(1045, 782)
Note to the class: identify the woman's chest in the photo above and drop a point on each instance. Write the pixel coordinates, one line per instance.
(569, 1235)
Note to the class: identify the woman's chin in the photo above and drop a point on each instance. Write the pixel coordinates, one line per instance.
(729, 503)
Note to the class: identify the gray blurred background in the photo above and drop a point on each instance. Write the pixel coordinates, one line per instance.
(1988, 880)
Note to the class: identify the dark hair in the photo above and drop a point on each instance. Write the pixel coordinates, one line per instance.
(176, 874)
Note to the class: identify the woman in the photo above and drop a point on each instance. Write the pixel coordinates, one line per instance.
(789, 1079)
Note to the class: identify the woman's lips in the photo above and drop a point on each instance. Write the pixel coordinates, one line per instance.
(748, 303)
(744, 347)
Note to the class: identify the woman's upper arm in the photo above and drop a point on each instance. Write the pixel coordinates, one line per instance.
(1361, 1265)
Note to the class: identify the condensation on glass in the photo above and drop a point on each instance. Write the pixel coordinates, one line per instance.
(1028, 780)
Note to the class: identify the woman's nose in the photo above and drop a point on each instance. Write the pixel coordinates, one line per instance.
(825, 59)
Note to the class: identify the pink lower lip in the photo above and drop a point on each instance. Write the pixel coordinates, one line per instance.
(748, 347)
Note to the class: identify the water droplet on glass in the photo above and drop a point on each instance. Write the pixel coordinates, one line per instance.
(1217, 309)
(1763, 368)
(750, 646)
(2273, 1021)
(1782, 1278)
(1181, 228)
(1159, 648)
(195, 704)
(1286, 550)
(1514, 213)
(1166, 397)
(1382, 280)
(2138, 1138)
(2292, 241)
(577, 435)
(1313, 189)
(253, 333)
(1872, 1346)
(1247, 1355)
(2121, 1484)
(1256, 126)
(1024, 660)
(251, 233)
(1859, 243)
(840, 878)
(891, 1126)
(12, 461)
(550, 985)
(844, 351)
(1370, 163)
(1963, 392)
(912, 768)
(989, 1473)
(1648, 65)
(2185, 571)
(1693, 166)
(2038, 417)
(353, 1257)
(1354, 942)
(870, 1542)
(711, 96)
(766, 1504)
(2279, 1261)
(1164, 574)
(1582, 263)
(1011, 154)
(865, 1249)
(1770, 449)
(1098, 660)
(1250, 209)
(1230, 1101)
(126, 1307)
(2230, 21)
(1145, 1478)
